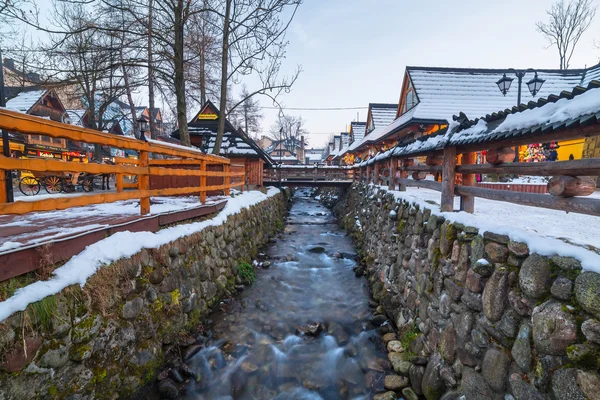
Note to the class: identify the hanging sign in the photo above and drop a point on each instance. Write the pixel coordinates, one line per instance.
(208, 116)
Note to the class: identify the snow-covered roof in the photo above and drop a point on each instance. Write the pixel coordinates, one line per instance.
(313, 157)
(383, 114)
(25, 100)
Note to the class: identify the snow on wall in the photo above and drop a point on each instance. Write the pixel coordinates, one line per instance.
(120, 245)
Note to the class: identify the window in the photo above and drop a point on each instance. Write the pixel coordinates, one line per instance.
(410, 99)
(46, 139)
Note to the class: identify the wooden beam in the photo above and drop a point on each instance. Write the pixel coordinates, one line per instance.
(227, 180)
(586, 167)
(447, 203)
(573, 204)
(144, 184)
(433, 185)
(425, 168)
(467, 203)
(42, 165)
(3, 198)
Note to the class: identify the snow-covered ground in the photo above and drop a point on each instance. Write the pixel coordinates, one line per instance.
(120, 245)
(546, 231)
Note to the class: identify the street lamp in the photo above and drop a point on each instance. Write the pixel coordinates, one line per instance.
(143, 124)
(534, 86)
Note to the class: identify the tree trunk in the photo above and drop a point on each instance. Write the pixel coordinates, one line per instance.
(224, 73)
(569, 186)
(179, 55)
(152, 122)
(128, 87)
(202, 76)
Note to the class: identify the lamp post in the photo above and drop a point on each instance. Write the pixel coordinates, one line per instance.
(5, 144)
(143, 124)
(534, 85)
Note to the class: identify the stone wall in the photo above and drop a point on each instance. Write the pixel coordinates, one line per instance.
(110, 338)
(479, 316)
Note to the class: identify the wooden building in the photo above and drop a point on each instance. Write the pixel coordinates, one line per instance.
(236, 145)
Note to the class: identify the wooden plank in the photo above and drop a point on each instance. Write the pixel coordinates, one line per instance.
(586, 167)
(144, 184)
(119, 183)
(425, 168)
(467, 203)
(574, 204)
(31, 125)
(3, 198)
(126, 160)
(191, 172)
(203, 182)
(42, 165)
(447, 203)
(433, 185)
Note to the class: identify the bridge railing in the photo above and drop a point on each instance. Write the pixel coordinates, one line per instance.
(178, 161)
(308, 173)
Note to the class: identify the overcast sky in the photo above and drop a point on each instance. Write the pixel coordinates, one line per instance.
(355, 51)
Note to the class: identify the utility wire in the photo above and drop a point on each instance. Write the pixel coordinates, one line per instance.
(316, 109)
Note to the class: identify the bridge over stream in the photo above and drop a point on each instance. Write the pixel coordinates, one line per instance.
(309, 176)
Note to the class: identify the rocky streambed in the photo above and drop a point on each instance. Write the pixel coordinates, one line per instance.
(305, 329)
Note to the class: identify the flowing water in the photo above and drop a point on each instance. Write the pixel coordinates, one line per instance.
(302, 330)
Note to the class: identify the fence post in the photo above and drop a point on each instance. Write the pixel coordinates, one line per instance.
(316, 171)
(377, 168)
(3, 198)
(119, 182)
(448, 169)
(203, 182)
(227, 179)
(144, 183)
(392, 174)
(467, 203)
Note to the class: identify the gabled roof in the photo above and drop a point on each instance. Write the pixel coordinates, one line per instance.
(235, 142)
(23, 98)
(383, 114)
(358, 130)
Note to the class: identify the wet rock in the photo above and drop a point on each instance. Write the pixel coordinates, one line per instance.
(587, 291)
(192, 351)
(591, 330)
(562, 288)
(266, 264)
(535, 277)
(521, 350)
(521, 390)
(553, 329)
(313, 329)
(495, 295)
(403, 367)
(316, 249)
(409, 394)
(176, 376)
(415, 375)
(495, 369)
(432, 385)
(395, 382)
(378, 320)
(388, 337)
(168, 389)
(385, 396)
(474, 386)
(564, 385)
(396, 359)
(395, 346)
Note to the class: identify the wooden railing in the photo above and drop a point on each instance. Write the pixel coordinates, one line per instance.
(571, 180)
(181, 161)
(308, 173)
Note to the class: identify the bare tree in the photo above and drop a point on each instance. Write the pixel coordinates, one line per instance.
(569, 19)
(253, 43)
(289, 129)
(247, 115)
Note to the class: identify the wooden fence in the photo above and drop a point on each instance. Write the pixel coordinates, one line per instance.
(194, 165)
(567, 188)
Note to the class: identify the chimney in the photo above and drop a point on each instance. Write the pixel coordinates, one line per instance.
(301, 151)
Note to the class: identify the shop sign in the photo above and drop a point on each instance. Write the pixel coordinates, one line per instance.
(208, 117)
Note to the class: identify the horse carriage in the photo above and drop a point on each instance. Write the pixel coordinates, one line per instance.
(32, 182)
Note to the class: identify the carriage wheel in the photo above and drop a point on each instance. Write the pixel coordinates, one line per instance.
(53, 184)
(88, 184)
(29, 186)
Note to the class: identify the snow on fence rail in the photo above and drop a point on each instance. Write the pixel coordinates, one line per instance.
(143, 167)
(308, 173)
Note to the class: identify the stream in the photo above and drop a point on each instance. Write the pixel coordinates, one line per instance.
(303, 330)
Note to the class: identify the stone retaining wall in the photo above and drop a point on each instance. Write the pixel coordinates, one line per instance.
(110, 338)
(479, 316)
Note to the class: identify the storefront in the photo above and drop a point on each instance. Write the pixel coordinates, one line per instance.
(40, 151)
(17, 149)
(77, 156)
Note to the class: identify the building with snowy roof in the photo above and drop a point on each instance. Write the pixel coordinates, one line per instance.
(430, 96)
(236, 145)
